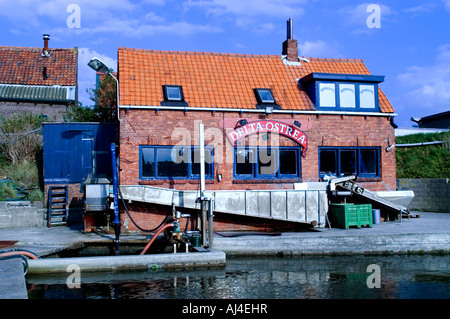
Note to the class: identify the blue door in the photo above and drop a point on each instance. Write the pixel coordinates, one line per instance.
(80, 161)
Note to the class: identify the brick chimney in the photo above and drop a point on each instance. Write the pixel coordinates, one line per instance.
(290, 48)
(45, 52)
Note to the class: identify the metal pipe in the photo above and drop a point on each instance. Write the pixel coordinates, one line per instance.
(118, 101)
(210, 224)
(419, 144)
(201, 132)
(116, 221)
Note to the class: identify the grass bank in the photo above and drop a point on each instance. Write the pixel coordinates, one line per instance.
(431, 161)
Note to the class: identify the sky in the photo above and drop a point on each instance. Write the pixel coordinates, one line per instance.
(406, 41)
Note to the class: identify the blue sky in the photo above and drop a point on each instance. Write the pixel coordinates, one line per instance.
(410, 46)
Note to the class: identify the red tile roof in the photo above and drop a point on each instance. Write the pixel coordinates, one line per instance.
(223, 80)
(21, 65)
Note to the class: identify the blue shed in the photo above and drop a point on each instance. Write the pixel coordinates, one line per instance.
(74, 151)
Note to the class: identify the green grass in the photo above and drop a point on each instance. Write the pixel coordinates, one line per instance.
(24, 178)
(432, 161)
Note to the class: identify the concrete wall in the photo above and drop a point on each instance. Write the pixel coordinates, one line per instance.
(432, 195)
(21, 214)
(54, 112)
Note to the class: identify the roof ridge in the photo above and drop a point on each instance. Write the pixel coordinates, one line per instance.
(244, 55)
(6, 47)
(336, 60)
(200, 53)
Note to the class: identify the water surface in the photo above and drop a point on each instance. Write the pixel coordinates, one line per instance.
(327, 277)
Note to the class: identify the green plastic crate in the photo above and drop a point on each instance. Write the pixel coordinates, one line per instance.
(346, 215)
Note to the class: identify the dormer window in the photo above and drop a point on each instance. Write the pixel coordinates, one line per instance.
(343, 92)
(173, 96)
(265, 99)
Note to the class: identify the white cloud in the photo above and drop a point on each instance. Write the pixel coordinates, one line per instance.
(40, 10)
(423, 8)
(318, 49)
(97, 17)
(447, 4)
(428, 86)
(249, 8)
(356, 17)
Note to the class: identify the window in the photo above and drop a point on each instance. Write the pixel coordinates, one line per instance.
(173, 95)
(367, 96)
(343, 92)
(344, 161)
(265, 95)
(178, 162)
(347, 95)
(327, 95)
(265, 99)
(266, 162)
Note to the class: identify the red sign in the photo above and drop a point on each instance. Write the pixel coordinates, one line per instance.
(269, 126)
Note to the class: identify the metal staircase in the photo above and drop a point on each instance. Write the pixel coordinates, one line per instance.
(58, 208)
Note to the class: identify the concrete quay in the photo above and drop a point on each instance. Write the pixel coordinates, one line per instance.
(428, 234)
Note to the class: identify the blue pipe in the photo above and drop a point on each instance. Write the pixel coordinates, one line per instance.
(116, 222)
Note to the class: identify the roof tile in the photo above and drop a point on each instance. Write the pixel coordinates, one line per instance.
(223, 80)
(25, 66)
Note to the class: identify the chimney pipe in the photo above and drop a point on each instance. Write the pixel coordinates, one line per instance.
(290, 30)
(45, 50)
(290, 47)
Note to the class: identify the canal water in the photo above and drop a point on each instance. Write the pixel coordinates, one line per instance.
(283, 277)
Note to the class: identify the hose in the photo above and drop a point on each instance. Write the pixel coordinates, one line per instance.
(134, 223)
(24, 260)
(19, 253)
(154, 237)
(15, 252)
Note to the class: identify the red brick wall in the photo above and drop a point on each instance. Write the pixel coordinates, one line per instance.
(75, 195)
(148, 127)
(148, 217)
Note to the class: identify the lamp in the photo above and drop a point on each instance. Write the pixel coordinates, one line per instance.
(97, 65)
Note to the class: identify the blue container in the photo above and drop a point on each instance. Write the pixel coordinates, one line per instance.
(376, 216)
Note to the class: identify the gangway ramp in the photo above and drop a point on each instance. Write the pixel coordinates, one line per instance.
(348, 183)
(299, 206)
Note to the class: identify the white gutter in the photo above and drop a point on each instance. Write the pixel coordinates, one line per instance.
(217, 109)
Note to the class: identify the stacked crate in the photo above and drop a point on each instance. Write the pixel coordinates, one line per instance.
(346, 215)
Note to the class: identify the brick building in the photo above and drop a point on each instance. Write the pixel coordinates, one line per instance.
(38, 80)
(270, 121)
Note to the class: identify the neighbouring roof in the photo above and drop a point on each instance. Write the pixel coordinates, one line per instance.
(25, 66)
(222, 80)
(37, 93)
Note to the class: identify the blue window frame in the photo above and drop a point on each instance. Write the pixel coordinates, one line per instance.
(347, 96)
(174, 162)
(344, 161)
(343, 92)
(251, 162)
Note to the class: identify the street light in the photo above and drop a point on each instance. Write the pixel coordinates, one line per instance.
(97, 65)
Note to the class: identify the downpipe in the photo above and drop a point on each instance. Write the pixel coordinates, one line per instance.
(116, 221)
